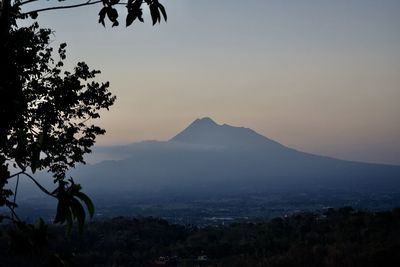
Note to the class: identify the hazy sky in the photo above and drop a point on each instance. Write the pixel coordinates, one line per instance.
(321, 76)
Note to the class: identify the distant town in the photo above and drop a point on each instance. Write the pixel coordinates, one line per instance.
(214, 210)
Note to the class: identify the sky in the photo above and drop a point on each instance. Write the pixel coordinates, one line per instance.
(320, 76)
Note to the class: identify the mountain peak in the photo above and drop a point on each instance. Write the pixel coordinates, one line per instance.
(205, 131)
(204, 121)
(196, 131)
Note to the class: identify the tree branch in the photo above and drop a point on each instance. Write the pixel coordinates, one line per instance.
(44, 190)
(88, 3)
(26, 2)
(15, 174)
(16, 190)
(14, 215)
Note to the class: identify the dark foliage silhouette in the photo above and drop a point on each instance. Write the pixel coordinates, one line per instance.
(46, 116)
(46, 112)
(335, 237)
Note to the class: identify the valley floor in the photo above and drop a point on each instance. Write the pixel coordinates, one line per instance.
(335, 237)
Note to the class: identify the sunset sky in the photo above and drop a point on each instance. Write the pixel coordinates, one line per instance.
(320, 76)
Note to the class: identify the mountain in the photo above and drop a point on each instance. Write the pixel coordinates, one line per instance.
(206, 132)
(210, 158)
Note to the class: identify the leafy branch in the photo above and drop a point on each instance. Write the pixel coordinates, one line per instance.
(35, 12)
(49, 129)
(70, 199)
(44, 109)
(133, 7)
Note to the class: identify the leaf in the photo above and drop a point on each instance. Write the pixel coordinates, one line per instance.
(61, 214)
(33, 15)
(69, 220)
(115, 23)
(112, 14)
(35, 160)
(130, 18)
(37, 148)
(78, 213)
(162, 9)
(88, 202)
(155, 14)
(102, 15)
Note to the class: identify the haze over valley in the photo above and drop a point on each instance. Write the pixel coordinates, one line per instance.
(211, 171)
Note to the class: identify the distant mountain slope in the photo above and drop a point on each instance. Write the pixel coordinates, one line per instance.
(207, 157)
(206, 132)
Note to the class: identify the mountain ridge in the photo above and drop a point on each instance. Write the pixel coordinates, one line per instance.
(209, 157)
(206, 131)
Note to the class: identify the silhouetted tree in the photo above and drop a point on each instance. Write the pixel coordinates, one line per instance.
(134, 9)
(46, 113)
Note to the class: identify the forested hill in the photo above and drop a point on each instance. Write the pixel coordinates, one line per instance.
(336, 237)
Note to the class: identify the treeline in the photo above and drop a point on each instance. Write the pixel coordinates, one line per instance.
(336, 237)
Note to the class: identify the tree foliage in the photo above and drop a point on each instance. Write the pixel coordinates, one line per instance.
(51, 113)
(334, 237)
(46, 112)
(134, 9)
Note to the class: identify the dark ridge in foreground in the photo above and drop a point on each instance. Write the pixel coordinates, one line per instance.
(335, 237)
